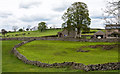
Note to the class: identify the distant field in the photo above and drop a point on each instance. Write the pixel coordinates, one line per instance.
(34, 33)
(39, 34)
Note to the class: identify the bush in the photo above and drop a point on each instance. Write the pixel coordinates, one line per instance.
(28, 33)
(16, 34)
(115, 34)
(20, 30)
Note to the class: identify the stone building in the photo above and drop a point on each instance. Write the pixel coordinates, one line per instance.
(111, 29)
(65, 33)
(99, 34)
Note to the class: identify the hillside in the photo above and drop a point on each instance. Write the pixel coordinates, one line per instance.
(44, 33)
(33, 33)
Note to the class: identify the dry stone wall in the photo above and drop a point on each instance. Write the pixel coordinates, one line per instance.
(80, 66)
(62, 39)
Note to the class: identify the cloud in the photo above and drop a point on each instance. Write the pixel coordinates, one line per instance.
(60, 6)
(60, 9)
(31, 12)
(33, 18)
(97, 23)
(5, 14)
(97, 17)
(29, 5)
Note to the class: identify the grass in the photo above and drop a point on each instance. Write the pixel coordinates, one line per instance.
(34, 33)
(0, 57)
(39, 34)
(65, 51)
(11, 64)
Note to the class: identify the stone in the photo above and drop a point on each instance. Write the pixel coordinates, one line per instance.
(54, 64)
(24, 59)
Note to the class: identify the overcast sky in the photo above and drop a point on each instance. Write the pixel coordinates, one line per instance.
(22, 13)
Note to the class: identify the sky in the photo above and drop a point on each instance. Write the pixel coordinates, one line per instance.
(22, 13)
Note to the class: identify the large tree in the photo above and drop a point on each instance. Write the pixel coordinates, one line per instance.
(77, 18)
(28, 28)
(21, 30)
(3, 31)
(112, 12)
(42, 26)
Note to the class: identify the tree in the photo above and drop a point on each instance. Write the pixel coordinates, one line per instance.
(42, 26)
(15, 28)
(28, 28)
(77, 18)
(20, 30)
(3, 31)
(112, 12)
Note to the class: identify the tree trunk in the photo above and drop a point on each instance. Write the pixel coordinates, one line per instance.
(75, 34)
(14, 30)
(4, 35)
(79, 34)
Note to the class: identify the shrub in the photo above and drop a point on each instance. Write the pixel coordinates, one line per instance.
(20, 30)
(115, 34)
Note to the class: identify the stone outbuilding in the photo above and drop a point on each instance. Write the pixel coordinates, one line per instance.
(111, 28)
(99, 34)
(65, 33)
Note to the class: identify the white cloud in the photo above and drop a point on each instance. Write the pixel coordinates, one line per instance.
(97, 23)
(31, 12)
(5, 14)
(29, 4)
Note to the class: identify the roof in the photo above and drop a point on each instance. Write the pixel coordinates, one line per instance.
(62, 31)
(99, 33)
(113, 26)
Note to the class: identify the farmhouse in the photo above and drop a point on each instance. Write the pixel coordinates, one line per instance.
(66, 33)
(113, 28)
(111, 31)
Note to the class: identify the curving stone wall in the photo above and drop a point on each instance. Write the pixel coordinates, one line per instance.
(80, 66)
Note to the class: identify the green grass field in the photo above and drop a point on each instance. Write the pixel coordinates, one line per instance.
(65, 51)
(11, 64)
(0, 57)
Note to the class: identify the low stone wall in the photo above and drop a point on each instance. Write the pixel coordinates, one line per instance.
(106, 66)
(19, 38)
(62, 39)
(80, 66)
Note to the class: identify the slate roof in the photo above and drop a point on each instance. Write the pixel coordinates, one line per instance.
(99, 32)
(113, 26)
